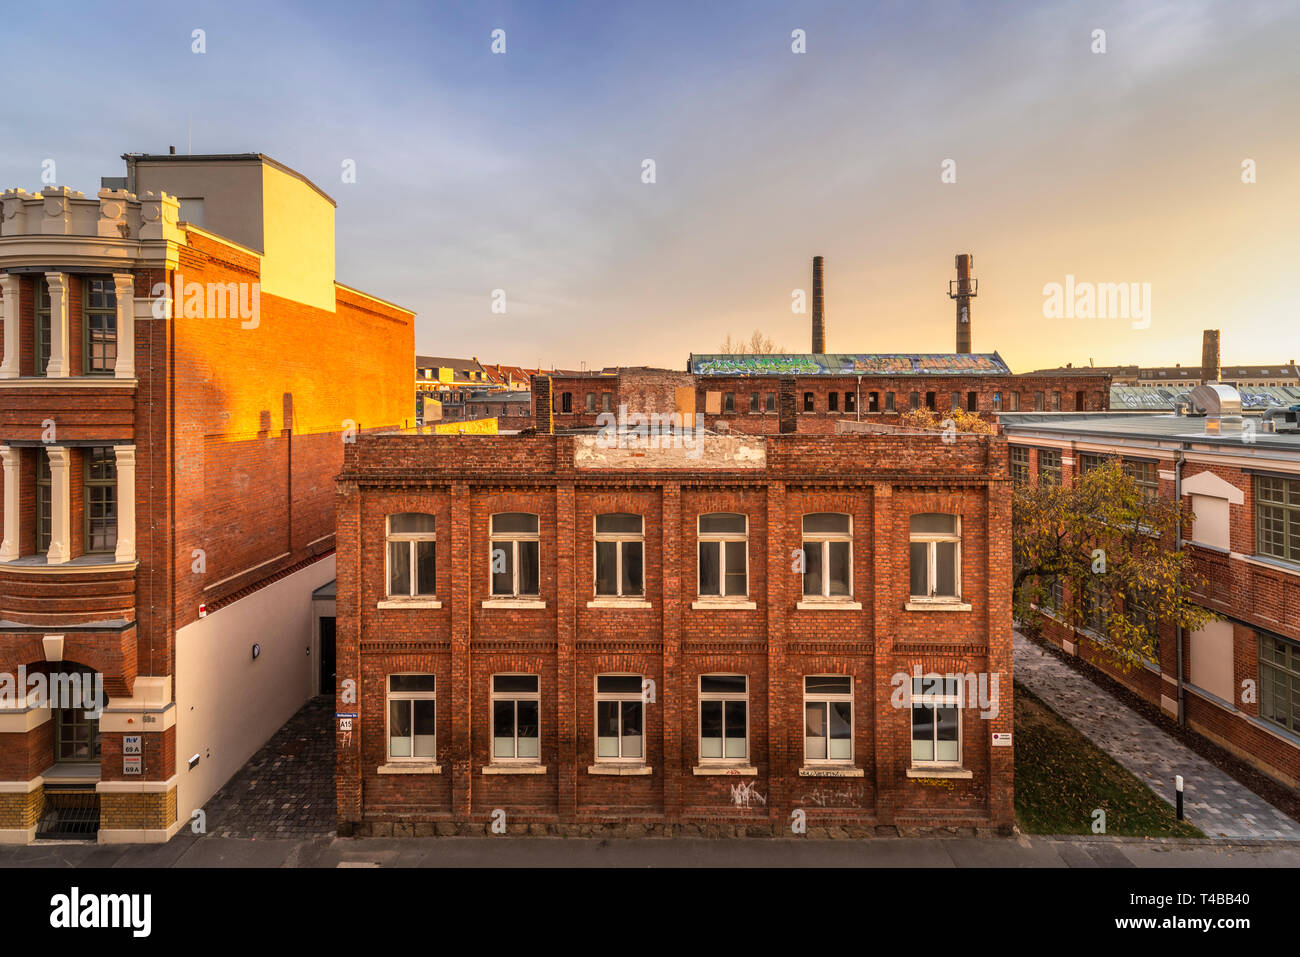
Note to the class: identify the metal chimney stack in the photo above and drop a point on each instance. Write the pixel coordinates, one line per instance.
(819, 308)
(1210, 370)
(962, 290)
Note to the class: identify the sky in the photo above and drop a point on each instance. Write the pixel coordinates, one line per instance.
(905, 133)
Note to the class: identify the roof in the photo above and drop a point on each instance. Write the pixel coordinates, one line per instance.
(496, 397)
(224, 157)
(442, 362)
(1181, 429)
(1176, 372)
(1158, 398)
(877, 363)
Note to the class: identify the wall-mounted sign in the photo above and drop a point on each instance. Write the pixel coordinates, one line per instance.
(131, 744)
(131, 764)
(1001, 739)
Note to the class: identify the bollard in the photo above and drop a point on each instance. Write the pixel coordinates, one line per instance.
(1178, 790)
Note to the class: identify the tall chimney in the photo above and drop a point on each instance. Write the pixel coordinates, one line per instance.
(1210, 356)
(819, 308)
(963, 292)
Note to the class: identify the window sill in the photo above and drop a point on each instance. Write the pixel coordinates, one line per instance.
(936, 605)
(829, 771)
(956, 773)
(610, 601)
(724, 604)
(414, 767)
(514, 769)
(409, 603)
(829, 604)
(722, 770)
(513, 603)
(41, 381)
(1265, 561)
(620, 769)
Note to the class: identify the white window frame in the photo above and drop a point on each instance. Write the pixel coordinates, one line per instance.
(721, 538)
(721, 696)
(823, 540)
(826, 699)
(619, 696)
(411, 537)
(515, 697)
(937, 701)
(390, 696)
(618, 538)
(932, 540)
(513, 539)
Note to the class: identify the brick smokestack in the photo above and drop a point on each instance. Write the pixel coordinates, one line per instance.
(819, 308)
(1210, 356)
(963, 295)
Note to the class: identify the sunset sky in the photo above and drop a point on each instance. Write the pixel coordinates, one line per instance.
(523, 171)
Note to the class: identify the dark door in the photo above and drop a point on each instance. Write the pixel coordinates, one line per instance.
(327, 655)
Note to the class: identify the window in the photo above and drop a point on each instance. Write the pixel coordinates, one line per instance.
(930, 401)
(873, 401)
(935, 553)
(1014, 399)
(808, 402)
(936, 721)
(828, 719)
(76, 735)
(620, 718)
(724, 718)
(42, 326)
(728, 402)
(1279, 681)
(44, 503)
(1143, 607)
(566, 401)
(100, 499)
(1094, 608)
(832, 401)
(1038, 402)
(771, 402)
(1079, 402)
(515, 718)
(1020, 464)
(955, 401)
(972, 401)
(591, 402)
(754, 405)
(997, 401)
(620, 546)
(515, 546)
(411, 702)
(99, 299)
(724, 550)
(914, 400)
(1277, 517)
(1049, 466)
(607, 402)
(828, 555)
(1056, 402)
(850, 402)
(1145, 476)
(1054, 598)
(889, 402)
(412, 553)
(1089, 461)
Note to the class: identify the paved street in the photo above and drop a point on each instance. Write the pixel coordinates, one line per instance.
(189, 851)
(1216, 803)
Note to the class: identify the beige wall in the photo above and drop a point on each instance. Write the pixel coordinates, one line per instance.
(229, 705)
(1211, 660)
(231, 192)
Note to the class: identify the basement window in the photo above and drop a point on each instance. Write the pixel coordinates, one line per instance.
(724, 552)
(935, 556)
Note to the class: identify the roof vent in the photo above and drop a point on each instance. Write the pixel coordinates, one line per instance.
(1214, 399)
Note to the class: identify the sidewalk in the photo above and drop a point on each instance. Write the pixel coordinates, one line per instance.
(1216, 803)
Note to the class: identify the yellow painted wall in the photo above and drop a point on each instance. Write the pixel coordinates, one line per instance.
(471, 427)
(298, 239)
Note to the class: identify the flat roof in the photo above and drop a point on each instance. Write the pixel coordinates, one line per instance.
(1163, 428)
(850, 363)
(225, 158)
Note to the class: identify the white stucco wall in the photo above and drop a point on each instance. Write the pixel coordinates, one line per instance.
(229, 705)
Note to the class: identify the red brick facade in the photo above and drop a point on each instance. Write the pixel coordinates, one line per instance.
(669, 637)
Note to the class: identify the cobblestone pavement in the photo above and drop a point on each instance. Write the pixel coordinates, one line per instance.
(286, 790)
(1216, 803)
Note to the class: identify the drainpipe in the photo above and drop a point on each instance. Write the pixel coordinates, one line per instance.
(858, 404)
(1178, 546)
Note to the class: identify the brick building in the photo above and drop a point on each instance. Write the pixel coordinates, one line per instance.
(167, 478)
(585, 636)
(1239, 680)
